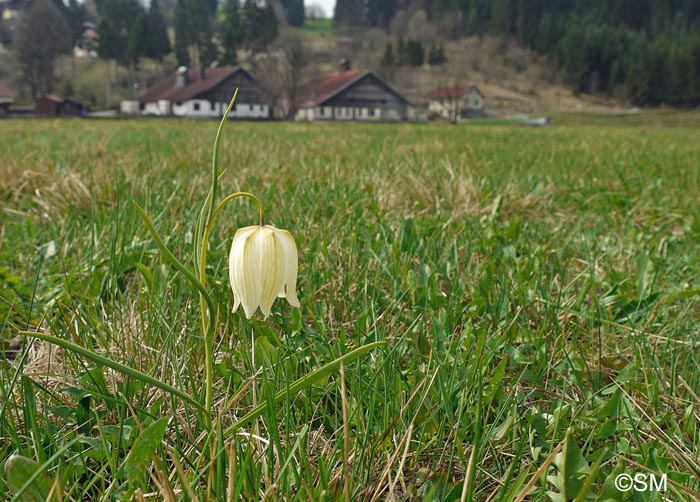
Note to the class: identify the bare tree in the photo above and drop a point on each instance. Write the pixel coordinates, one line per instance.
(294, 59)
(42, 36)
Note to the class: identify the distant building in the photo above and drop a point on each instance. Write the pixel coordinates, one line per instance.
(351, 95)
(7, 97)
(89, 41)
(53, 106)
(202, 93)
(456, 102)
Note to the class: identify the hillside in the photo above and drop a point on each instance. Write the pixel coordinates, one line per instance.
(514, 80)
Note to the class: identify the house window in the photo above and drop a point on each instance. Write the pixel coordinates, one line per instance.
(196, 107)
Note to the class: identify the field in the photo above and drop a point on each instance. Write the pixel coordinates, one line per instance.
(537, 290)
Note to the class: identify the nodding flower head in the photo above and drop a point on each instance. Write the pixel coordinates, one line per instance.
(262, 266)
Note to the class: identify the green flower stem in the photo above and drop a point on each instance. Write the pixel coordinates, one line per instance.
(201, 245)
(206, 320)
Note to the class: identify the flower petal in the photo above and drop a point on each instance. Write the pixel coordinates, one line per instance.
(290, 260)
(271, 277)
(240, 275)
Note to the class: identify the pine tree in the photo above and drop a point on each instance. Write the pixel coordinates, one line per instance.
(76, 14)
(232, 33)
(380, 12)
(348, 13)
(182, 33)
(137, 44)
(295, 12)
(415, 55)
(437, 56)
(388, 59)
(208, 51)
(158, 40)
(261, 25)
(401, 53)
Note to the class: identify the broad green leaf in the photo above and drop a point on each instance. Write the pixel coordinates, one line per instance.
(571, 468)
(26, 482)
(138, 460)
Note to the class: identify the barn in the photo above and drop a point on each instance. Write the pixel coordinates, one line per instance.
(351, 95)
(7, 97)
(202, 93)
(53, 106)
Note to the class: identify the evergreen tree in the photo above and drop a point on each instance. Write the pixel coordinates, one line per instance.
(415, 55)
(380, 12)
(388, 59)
(437, 56)
(76, 15)
(348, 13)
(232, 32)
(137, 44)
(295, 12)
(158, 41)
(261, 25)
(182, 33)
(208, 51)
(401, 52)
(109, 41)
(116, 21)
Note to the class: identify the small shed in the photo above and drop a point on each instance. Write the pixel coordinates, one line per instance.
(456, 102)
(53, 106)
(7, 97)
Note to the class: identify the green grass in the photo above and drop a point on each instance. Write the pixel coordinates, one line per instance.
(534, 287)
(317, 26)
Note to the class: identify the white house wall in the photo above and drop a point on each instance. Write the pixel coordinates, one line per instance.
(344, 113)
(202, 108)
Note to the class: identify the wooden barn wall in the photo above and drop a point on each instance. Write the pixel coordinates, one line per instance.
(369, 93)
(248, 90)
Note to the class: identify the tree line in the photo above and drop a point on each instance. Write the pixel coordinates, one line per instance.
(204, 31)
(647, 51)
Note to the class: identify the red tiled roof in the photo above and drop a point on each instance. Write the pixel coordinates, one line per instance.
(323, 87)
(452, 91)
(166, 89)
(6, 92)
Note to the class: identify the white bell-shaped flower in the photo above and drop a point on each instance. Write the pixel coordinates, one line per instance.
(262, 266)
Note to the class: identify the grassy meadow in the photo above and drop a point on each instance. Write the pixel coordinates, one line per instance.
(538, 290)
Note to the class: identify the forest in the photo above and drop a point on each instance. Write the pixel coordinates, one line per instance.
(646, 51)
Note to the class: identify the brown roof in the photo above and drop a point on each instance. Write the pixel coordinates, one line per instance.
(166, 89)
(324, 87)
(452, 91)
(6, 92)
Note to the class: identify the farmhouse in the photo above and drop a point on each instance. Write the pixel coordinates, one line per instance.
(455, 102)
(202, 93)
(54, 106)
(351, 95)
(7, 97)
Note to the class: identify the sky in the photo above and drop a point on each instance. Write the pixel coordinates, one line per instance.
(328, 5)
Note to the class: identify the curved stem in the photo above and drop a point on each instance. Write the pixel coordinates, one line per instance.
(201, 241)
(209, 226)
